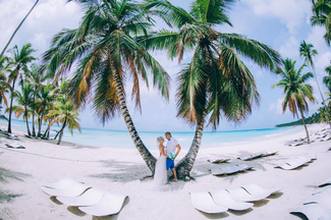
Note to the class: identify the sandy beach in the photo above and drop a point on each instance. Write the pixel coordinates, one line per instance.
(121, 171)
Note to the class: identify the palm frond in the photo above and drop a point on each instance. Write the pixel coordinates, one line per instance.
(260, 53)
(212, 11)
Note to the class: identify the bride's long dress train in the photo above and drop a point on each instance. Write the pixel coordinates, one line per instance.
(160, 175)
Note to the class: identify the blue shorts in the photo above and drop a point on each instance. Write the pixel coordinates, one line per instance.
(170, 164)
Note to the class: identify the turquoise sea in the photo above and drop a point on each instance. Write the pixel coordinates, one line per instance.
(102, 137)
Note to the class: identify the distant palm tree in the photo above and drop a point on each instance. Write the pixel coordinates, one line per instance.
(296, 89)
(327, 79)
(216, 82)
(44, 103)
(24, 99)
(62, 91)
(107, 52)
(322, 17)
(4, 86)
(18, 27)
(307, 51)
(37, 79)
(64, 113)
(19, 62)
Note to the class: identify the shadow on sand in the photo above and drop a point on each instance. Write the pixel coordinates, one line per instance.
(8, 174)
(5, 175)
(123, 171)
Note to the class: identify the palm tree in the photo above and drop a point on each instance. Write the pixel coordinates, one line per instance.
(106, 48)
(44, 103)
(327, 79)
(18, 27)
(296, 89)
(24, 98)
(307, 51)
(322, 17)
(4, 86)
(19, 62)
(64, 113)
(62, 92)
(36, 78)
(216, 82)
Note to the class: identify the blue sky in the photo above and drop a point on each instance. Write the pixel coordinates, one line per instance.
(282, 24)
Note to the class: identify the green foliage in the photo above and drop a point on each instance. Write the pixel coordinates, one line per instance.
(295, 87)
(327, 79)
(216, 82)
(104, 44)
(323, 115)
(322, 17)
(37, 97)
(307, 51)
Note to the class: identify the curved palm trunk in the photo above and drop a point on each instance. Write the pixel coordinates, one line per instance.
(18, 27)
(320, 91)
(318, 86)
(46, 134)
(61, 131)
(11, 105)
(185, 165)
(304, 124)
(57, 134)
(27, 120)
(144, 152)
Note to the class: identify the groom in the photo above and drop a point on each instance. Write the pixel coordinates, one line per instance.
(173, 149)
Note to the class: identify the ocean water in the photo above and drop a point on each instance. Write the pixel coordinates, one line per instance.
(120, 139)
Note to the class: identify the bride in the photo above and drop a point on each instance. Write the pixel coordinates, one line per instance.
(160, 175)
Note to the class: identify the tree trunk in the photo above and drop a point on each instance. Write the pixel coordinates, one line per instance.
(27, 120)
(185, 165)
(56, 135)
(40, 121)
(319, 90)
(33, 125)
(144, 152)
(12, 90)
(33, 115)
(60, 138)
(18, 27)
(61, 131)
(304, 124)
(318, 86)
(46, 134)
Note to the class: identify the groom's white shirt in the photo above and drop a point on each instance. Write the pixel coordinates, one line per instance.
(171, 147)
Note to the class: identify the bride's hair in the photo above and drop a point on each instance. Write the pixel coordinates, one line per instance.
(159, 139)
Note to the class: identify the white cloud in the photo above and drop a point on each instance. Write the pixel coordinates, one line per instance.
(292, 13)
(276, 107)
(290, 48)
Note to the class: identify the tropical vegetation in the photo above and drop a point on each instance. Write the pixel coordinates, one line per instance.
(297, 91)
(215, 83)
(107, 49)
(322, 17)
(113, 41)
(112, 48)
(307, 51)
(34, 97)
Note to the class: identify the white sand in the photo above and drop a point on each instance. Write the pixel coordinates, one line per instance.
(119, 170)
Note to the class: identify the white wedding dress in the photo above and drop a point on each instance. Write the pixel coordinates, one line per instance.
(161, 175)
